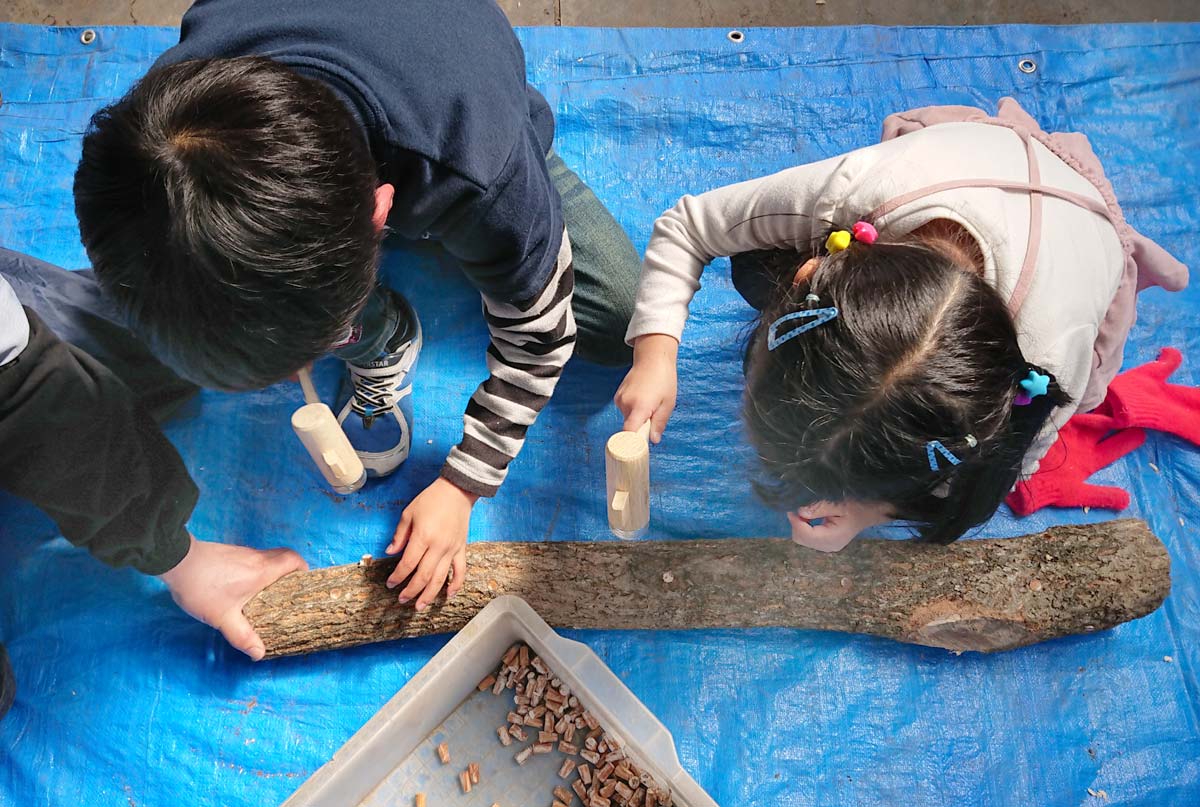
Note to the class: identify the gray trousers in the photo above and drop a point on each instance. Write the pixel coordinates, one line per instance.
(606, 266)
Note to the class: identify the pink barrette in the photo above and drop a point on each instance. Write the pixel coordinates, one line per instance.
(865, 232)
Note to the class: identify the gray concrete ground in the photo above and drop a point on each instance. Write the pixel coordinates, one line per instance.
(732, 13)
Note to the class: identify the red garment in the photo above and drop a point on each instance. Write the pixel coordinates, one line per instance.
(1084, 446)
(1137, 399)
(1142, 397)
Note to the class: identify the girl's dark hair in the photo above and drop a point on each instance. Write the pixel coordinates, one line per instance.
(227, 205)
(922, 350)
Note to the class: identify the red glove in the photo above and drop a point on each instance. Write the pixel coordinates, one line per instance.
(1083, 447)
(1142, 397)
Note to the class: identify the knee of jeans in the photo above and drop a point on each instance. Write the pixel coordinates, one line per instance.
(604, 350)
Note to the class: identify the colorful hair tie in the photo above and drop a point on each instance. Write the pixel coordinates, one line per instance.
(837, 241)
(1033, 386)
(865, 232)
(817, 316)
(862, 231)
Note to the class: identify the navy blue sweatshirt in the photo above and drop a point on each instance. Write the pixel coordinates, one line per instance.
(439, 88)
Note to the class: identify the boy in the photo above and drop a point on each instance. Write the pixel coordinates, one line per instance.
(233, 203)
(79, 441)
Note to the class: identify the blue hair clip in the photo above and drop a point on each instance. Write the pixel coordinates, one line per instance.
(936, 445)
(1033, 386)
(817, 316)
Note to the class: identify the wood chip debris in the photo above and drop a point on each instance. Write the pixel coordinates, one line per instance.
(443, 752)
(603, 776)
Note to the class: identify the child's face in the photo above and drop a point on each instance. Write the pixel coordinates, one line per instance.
(840, 523)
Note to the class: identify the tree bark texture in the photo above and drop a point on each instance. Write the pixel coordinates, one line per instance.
(982, 595)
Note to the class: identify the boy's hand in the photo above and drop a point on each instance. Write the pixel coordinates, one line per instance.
(433, 535)
(214, 582)
(840, 523)
(649, 389)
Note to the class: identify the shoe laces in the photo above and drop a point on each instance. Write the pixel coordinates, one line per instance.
(373, 396)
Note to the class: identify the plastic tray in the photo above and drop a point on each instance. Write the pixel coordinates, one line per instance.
(391, 757)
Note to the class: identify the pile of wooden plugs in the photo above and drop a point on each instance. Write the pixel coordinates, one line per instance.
(545, 706)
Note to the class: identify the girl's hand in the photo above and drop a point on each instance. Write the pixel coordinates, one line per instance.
(433, 535)
(840, 523)
(648, 391)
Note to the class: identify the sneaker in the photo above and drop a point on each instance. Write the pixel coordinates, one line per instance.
(377, 416)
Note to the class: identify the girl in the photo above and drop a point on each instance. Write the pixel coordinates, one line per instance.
(931, 310)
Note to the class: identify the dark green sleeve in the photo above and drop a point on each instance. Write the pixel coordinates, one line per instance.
(75, 443)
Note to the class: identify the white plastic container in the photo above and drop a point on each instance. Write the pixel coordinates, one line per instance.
(359, 772)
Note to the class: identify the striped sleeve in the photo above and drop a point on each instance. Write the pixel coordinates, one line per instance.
(530, 345)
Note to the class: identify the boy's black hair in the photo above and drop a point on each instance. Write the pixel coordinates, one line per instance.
(227, 205)
(922, 349)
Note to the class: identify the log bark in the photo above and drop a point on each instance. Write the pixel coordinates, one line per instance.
(982, 595)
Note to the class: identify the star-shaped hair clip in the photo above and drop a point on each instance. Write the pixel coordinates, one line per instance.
(1032, 386)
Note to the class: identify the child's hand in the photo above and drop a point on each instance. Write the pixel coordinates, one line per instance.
(214, 582)
(433, 535)
(841, 522)
(649, 389)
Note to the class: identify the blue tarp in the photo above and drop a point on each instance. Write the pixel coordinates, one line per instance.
(124, 700)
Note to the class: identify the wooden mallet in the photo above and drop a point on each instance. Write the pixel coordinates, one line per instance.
(320, 432)
(627, 473)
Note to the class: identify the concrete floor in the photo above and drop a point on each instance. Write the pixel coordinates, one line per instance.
(732, 13)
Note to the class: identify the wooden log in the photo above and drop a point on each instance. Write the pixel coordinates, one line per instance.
(982, 595)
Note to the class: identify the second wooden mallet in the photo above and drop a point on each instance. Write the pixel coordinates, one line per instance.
(320, 432)
(627, 474)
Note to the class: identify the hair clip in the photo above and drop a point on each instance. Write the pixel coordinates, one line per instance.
(817, 316)
(1033, 386)
(936, 445)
